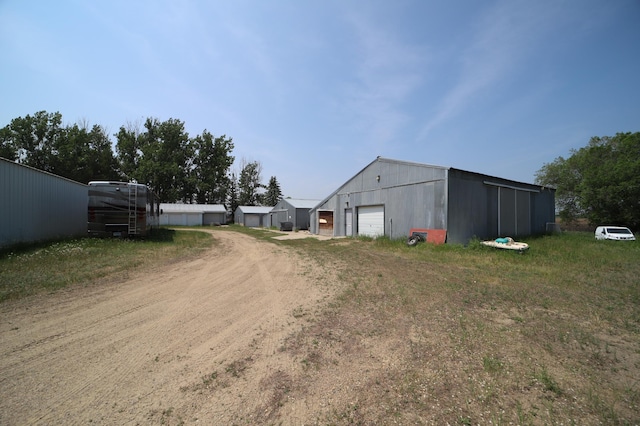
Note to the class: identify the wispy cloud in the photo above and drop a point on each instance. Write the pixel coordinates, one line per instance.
(387, 72)
(500, 39)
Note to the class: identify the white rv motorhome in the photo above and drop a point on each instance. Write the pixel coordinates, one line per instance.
(121, 209)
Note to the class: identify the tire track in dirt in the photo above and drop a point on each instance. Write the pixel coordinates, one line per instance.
(123, 352)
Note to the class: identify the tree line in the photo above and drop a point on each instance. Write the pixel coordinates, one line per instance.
(600, 182)
(178, 167)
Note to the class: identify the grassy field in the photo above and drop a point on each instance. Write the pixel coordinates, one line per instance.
(482, 336)
(34, 268)
(475, 335)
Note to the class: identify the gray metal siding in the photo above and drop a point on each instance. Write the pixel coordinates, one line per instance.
(252, 220)
(543, 210)
(423, 196)
(39, 206)
(486, 207)
(286, 212)
(181, 219)
(507, 219)
(523, 213)
(253, 216)
(238, 217)
(490, 216)
(214, 218)
(413, 195)
(278, 216)
(301, 219)
(281, 212)
(467, 209)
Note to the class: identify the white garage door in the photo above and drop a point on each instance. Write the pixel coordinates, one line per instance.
(371, 221)
(193, 219)
(252, 220)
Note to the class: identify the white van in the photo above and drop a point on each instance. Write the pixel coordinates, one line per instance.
(614, 233)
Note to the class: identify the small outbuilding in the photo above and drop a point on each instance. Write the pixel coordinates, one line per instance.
(391, 197)
(252, 216)
(192, 214)
(294, 211)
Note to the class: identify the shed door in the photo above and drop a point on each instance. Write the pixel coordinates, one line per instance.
(194, 219)
(348, 222)
(213, 218)
(371, 221)
(507, 218)
(325, 222)
(252, 220)
(514, 212)
(179, 219)
(523, 213)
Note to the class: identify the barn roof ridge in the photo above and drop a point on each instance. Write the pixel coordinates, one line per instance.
(255, 209)
(416, 164)
(376, 160)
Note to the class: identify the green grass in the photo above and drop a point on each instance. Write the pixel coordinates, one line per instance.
(29, 269)
(478, 335)
(550, 336)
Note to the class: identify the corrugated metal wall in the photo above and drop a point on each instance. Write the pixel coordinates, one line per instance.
(413, 195)
(214, 219)
(466, 204)
(487, 207)
(301, 218)
(39, 206)
(181, 219)
(252, 219)
(238, 217)
(284, 211)
(278, 215)
(473, 208)
(281, 212)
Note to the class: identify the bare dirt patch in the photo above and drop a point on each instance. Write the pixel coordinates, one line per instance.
(194, 341)
(336, 332)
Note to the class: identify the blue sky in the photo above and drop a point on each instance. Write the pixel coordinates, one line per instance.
(314, 91)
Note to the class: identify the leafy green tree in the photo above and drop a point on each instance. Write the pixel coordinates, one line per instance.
(128, 150)
(161, 156)
(212, 162)
(102, 162)
(179, 168)
(84, 155)
(33, 139)
(273, 194)
(564, 175)
(611, 179)
(233, 200)
(249, 184)
(600, 181)
(8, 148)
(73, 152)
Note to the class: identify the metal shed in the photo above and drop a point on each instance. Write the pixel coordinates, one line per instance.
(389, 197)
(292, 210)
(252, 216)
(192, 214)
(37, 205)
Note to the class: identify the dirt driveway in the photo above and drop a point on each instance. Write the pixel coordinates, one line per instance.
(152, 348)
